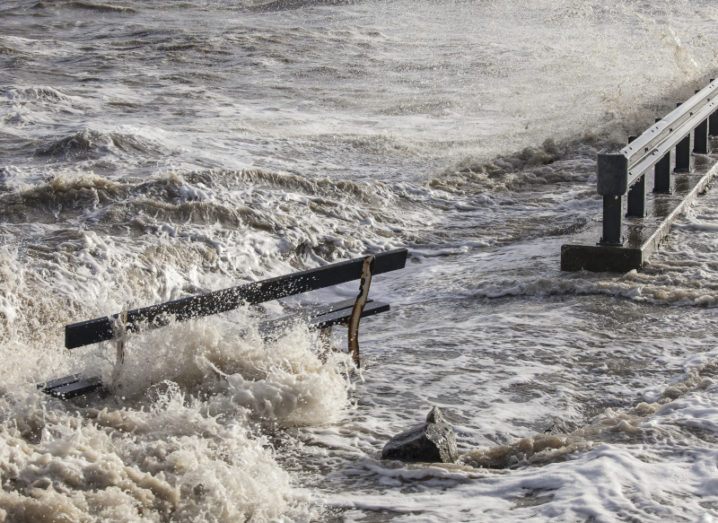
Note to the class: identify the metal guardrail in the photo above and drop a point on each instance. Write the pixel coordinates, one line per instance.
(668, 147)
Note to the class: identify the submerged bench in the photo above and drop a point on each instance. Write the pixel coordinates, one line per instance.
(323, 317)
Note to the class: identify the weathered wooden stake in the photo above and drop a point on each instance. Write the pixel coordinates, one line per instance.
(364, 285)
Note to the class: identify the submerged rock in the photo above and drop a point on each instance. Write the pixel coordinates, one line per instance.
(433, 441)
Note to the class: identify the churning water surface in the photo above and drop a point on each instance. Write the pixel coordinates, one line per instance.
(152, 150)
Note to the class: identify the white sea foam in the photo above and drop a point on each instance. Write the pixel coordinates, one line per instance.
(168, 461)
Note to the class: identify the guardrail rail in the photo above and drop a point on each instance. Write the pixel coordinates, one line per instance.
(668, 151)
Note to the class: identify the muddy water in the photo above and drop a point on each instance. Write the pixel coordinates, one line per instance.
(154, 151)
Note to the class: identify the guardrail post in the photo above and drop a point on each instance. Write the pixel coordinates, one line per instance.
(612, 185)
(663, 174)
(713, 120)
(702, 142)
(637, 199)
(684, 152)
(713, 123)
(684, 158)
(612, 215)
(636, 205)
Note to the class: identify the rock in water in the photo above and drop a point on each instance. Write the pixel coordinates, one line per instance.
(433, 441)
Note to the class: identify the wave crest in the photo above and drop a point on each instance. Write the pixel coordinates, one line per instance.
(89, 143)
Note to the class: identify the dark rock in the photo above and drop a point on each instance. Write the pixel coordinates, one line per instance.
(431, 442)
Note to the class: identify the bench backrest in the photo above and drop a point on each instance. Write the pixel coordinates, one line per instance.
(102, 329)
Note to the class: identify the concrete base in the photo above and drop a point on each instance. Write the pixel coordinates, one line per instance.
(597, 258)
(643, 234)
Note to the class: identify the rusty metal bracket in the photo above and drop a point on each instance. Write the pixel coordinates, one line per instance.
(364, 285)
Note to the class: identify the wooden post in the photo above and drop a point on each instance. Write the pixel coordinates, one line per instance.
(363, 295)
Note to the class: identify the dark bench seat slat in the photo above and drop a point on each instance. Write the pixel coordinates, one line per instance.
(340, 316)
(58, 382)
(72, 386)
(323, 316)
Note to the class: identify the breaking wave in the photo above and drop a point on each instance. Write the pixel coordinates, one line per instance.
(90, 143)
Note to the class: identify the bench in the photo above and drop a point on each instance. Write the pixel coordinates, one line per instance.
(321, 317)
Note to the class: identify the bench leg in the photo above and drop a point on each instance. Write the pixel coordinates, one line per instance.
(325, 343)
(119, 329)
